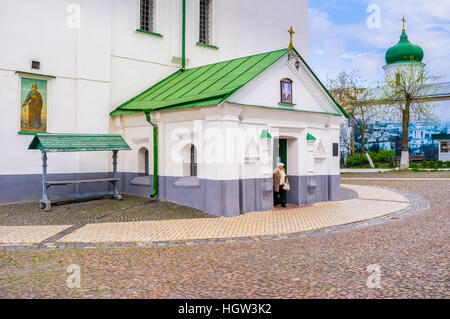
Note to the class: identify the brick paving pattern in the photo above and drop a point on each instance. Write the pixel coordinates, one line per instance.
(298, 219)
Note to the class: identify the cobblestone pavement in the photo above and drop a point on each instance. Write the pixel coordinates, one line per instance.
(372, 203)
(411, 252)
(131, 208)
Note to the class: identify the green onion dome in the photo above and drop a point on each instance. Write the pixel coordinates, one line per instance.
(404, 51)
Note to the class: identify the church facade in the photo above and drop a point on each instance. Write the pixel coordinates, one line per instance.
(204, 96)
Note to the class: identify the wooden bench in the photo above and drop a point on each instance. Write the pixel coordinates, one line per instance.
(416, 158)
(412, 158)
(78, 181)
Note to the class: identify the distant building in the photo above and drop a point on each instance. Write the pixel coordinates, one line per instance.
(444, 146)
(382, 134)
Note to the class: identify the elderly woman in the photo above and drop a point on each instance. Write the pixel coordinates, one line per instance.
(279, 180)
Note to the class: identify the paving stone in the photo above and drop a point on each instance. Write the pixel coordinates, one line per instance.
(412, 253)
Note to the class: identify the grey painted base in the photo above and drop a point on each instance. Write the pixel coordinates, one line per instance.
(28, 187)
(311, 189)
(217, 197)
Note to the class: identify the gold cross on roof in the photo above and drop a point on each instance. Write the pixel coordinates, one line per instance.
(291, 32)
(403, 19)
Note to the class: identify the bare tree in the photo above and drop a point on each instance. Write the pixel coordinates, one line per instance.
(353, 93)
(406, 96)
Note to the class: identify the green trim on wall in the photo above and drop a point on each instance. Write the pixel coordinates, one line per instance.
(282, 108)
(207, 45)
(310, 137)
(286, 104)
(28, 133)
(150, 32)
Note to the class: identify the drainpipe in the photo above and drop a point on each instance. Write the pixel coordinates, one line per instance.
(155, 154)
(183, 37)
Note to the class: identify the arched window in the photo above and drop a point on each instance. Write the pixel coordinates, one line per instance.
(286, 91)
(193, 162)
(189, 160)
(143, 162)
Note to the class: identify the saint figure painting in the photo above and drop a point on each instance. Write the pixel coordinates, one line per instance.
(33, 114)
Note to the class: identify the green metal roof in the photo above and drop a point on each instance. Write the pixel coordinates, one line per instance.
(440, 136)
(205, 85)
(53, 142)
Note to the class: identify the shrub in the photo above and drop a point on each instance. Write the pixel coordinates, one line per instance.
(427, 163)
(355, 160)
(413, 165)
(447, 163)
(391, 164)
(439, 163)
(382, 156)
(378, 164)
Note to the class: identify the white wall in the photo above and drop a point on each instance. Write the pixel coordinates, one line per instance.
(232, 126)
(264, 89)
(78, 61)
(105, 62)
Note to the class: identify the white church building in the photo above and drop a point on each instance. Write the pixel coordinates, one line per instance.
(207, 94)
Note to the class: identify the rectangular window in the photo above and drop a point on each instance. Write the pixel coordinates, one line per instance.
(335, 149)
(146, 15)
(205, 21)
(444, 147)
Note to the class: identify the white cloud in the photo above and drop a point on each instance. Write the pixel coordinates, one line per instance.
(427, 24)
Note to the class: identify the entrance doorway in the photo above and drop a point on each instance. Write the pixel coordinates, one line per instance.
(280, 155)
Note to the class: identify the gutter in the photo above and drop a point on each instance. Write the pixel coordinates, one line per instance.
(155, 154)
(183, 37)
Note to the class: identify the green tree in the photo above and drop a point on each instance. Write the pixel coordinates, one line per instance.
(406, 95)
(352, 92)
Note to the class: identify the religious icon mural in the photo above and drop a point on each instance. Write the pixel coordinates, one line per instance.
(286, 91)
(33, 101)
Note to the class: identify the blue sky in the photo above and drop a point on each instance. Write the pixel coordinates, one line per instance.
(340, 38)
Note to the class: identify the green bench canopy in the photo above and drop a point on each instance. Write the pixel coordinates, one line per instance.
(55, 142)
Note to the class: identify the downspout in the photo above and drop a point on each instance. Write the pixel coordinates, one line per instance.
(155, 154)
(183, 37)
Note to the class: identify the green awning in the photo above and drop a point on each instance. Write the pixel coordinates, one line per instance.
(54, 142)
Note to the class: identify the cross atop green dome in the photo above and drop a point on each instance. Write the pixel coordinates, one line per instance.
(404, 51)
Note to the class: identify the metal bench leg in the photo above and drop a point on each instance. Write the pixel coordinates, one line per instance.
(116, 194)
(44, 202)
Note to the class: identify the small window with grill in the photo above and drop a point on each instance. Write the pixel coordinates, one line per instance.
(205, 21)
(335, 149)
(146, 15)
